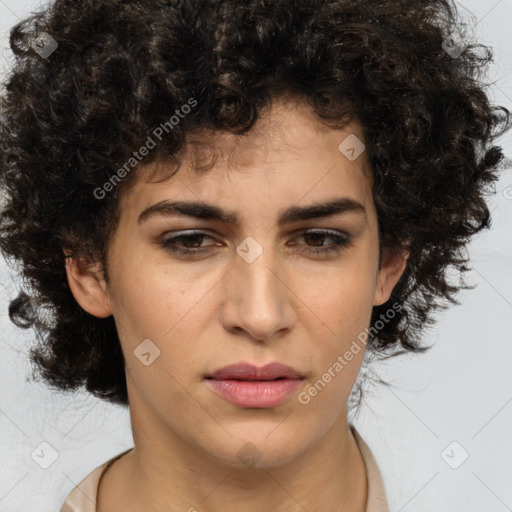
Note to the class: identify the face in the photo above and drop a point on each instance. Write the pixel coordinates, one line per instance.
(211, 292)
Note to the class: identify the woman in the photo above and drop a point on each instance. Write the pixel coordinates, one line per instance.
(173, 171)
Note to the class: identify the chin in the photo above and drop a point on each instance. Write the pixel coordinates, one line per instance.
(259, 450)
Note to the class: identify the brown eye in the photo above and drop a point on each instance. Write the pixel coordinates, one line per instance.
(186, 244)
(315, 237)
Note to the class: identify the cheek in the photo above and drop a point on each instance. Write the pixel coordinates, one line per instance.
(163, 307)
(161, 311)
(148, 297)
(343, 305)
(343, 300)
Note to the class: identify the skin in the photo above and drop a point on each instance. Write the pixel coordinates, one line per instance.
(208, 311)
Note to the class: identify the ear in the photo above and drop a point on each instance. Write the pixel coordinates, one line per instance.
(392, 268)
(88, 286)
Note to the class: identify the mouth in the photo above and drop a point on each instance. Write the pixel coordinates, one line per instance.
(248, 386)
(250, 380)
(250, 372)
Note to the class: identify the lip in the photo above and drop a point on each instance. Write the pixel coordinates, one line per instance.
(250, 386)
(247, 371)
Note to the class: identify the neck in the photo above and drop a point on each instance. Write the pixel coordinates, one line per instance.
(164, 473)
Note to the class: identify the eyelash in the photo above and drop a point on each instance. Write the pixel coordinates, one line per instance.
(340, 242)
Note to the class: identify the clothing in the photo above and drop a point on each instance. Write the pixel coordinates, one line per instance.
(83, 497)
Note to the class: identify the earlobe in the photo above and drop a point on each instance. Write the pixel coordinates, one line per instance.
(393, 266)
(88, 286)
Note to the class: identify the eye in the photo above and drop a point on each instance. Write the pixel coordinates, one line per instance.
(191, 242)
(316, 236)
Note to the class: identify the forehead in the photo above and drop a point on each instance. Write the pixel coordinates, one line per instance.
(287, 155)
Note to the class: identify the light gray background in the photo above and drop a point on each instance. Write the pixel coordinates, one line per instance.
(461, 391)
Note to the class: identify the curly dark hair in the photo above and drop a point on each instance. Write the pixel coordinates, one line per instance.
(72, 118)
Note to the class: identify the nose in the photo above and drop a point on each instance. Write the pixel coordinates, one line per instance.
(258, 300)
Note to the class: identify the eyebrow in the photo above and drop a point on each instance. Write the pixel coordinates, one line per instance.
(209, 212)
